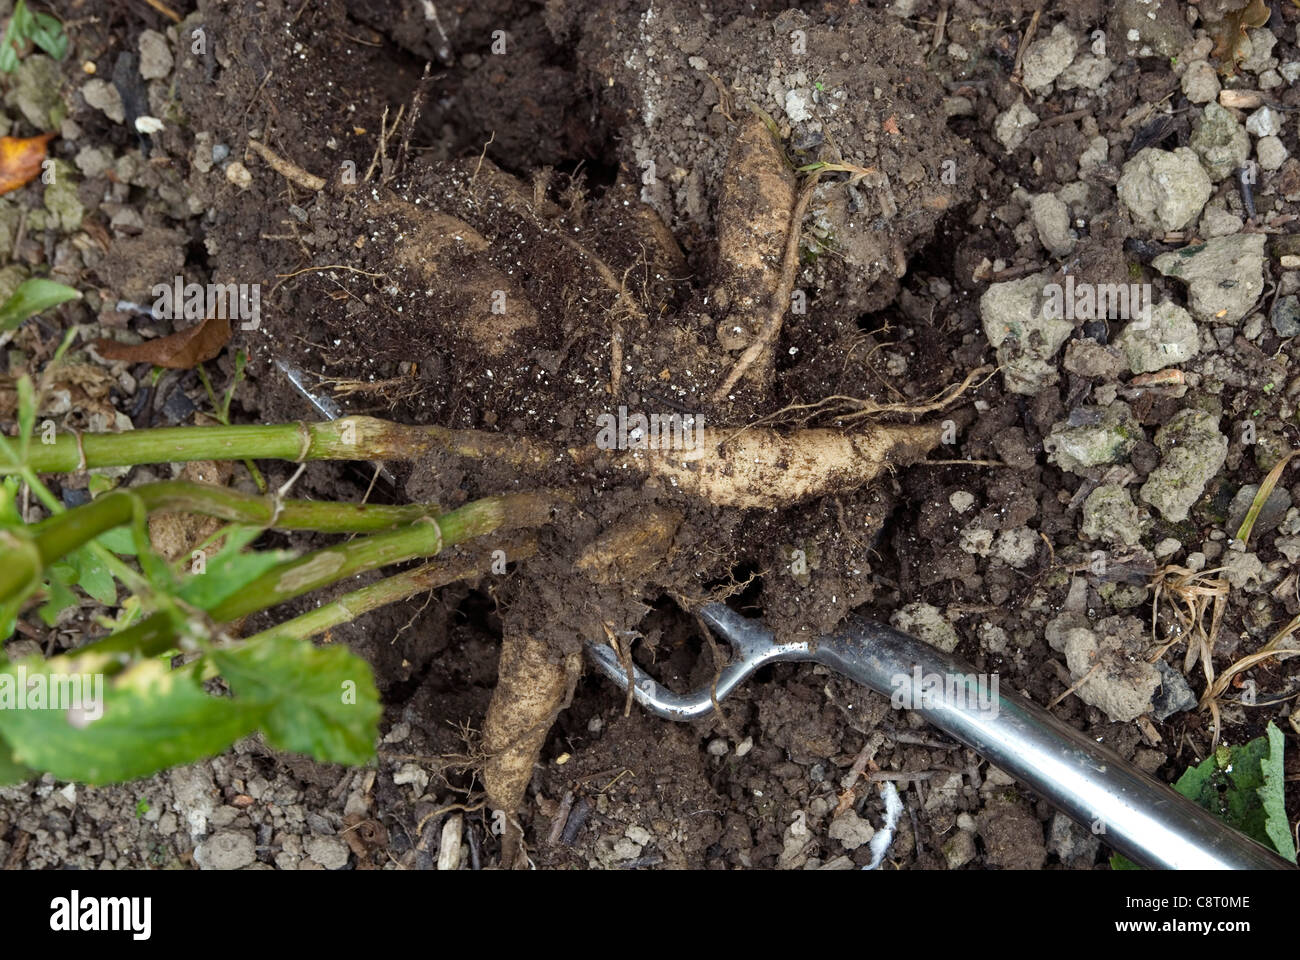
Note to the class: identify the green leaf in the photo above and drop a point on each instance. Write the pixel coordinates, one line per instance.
(26, 413)
(99, 483)
(1226, 784)
(320, 701)
(11, 771)
(93, 577)
(49, 36)
(154, 567)
(118, 540)
(1276, 826)
(58, 598)
(230, 570)
(32, 296)
(9, 515)
(1242, 785)
(9, 610)
(152, 718)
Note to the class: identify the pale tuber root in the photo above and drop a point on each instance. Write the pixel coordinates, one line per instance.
(757, 217)
(533, 686)
(631, 548)
(767, 470)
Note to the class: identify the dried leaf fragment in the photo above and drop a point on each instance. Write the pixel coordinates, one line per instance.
(182, 350)
(1232, 30)
(20, 160)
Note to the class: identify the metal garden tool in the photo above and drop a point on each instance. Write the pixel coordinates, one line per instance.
(1136, 815)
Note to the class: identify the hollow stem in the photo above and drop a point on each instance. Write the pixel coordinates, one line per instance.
(60, 534)
(321, 568)
(349, 438)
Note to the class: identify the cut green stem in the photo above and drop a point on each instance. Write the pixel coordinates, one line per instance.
(321, 568)
(61, 534)
(400, 586)
(349, 438)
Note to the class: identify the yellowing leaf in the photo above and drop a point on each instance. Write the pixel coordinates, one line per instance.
(20, 160)
(1232, 30)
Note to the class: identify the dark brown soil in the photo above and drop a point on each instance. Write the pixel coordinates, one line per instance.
(541, 153)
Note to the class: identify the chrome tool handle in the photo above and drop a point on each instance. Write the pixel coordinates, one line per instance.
(1137, 815)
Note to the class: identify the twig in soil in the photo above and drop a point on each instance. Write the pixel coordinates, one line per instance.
(380, 157)
(719, 662)
(649, 860)
(577, 820)
(258, 92)
(1065, 117)
(331, 266)
(621, 774)
(724, 98)
(1244, 176)
(863, 761)
(1018, 71)
(19, 849)
(939, 26)
(615, 359)
(780, 297)
(478, 166)
(624, 651)
(561, 818)
(290, 171)
(1076, 685)
(916, 830)
(417, 102)
(960, 463)
(165, 10)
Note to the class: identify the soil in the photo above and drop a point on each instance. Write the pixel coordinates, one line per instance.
(578, 174)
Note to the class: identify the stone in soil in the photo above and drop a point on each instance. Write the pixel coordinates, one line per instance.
(1168, 337)
(1220, 141)
(1174, 694)
(1093, 436)
(1192, 451)
(1025, 339)
(1270, 152)
(1123, 686)
(1200, 82)
(1224, 276)
(1270, 515)
(1110, 515)
(926, 622)
(103, 96)
(1048, 57)
(155, 55)
(1052, 220)
(851, 830)
(227, 850)
(1013, 125)
(1286, 316)
(1164, 190)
